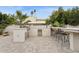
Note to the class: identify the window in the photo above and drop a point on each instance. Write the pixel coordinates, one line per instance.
(39, 32)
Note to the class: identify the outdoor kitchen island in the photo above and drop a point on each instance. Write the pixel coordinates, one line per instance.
(73, 37)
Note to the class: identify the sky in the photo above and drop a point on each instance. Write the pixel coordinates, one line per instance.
(42, 12)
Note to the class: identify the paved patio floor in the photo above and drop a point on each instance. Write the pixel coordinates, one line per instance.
(31, 45)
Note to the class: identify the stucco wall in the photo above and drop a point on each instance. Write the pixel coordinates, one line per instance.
(19, 35)
(34, 30)
(10, 28)
(46, 32)
(74, 41)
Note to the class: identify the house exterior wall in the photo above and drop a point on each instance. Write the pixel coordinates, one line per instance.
(34, 30)
(46, 32)
(29, 19)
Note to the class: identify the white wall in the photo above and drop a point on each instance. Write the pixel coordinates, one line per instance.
(46, 32)
(10, 28)
(19, 34)
(34, 30)
(74, 41)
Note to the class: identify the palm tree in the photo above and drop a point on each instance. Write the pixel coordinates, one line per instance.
(32, 12)
(21, 17)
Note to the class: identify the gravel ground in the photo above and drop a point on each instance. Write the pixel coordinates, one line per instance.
(31, 45)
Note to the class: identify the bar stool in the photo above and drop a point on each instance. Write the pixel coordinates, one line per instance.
(65, 40)
(62, 38)
(59, 38)
(57, 35)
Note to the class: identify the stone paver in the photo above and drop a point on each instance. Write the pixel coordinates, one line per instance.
(32, 44)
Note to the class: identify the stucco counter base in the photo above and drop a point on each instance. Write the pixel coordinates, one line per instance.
(74, 41)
